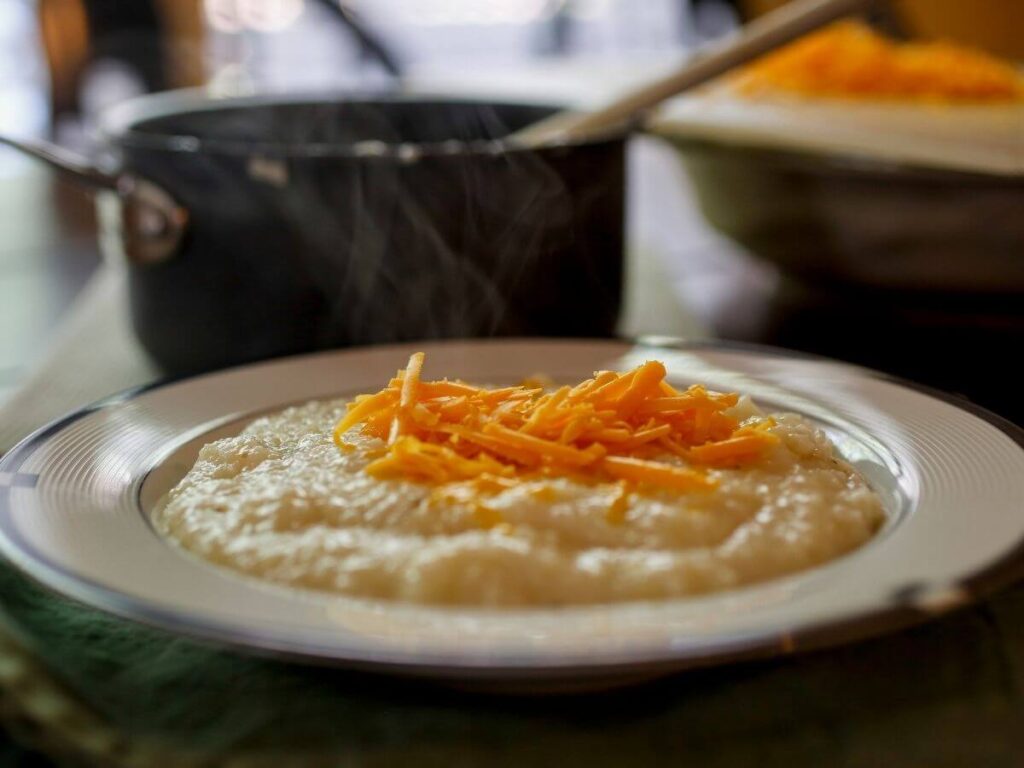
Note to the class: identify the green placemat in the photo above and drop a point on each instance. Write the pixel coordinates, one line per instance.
(948, 693)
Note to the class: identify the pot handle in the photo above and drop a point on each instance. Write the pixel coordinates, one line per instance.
(138, 218)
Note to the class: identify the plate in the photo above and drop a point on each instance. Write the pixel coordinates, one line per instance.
(75, 500)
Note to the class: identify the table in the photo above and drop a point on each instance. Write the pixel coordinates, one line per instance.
(90, 689)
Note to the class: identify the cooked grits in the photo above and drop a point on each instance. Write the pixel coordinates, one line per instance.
(280, 502)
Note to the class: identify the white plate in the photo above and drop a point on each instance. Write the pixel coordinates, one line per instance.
(74, 500)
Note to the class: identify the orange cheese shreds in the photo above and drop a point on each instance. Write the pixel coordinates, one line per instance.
(656, 473)
(631, 428)
(849, 59)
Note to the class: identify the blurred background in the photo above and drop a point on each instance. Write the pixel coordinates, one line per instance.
(62, 62)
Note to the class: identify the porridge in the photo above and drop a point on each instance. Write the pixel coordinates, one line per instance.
(619, 488)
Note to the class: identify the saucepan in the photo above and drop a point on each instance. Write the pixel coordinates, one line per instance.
(255, 227)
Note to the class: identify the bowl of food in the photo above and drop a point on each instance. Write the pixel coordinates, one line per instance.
(522, 514)
(849, 159)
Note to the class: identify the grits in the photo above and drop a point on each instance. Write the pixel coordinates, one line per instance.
(280, 502)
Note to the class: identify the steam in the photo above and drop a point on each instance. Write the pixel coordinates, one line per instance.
(421, 239)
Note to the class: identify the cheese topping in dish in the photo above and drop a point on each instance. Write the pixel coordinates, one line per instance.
(850, 60)
(621, 487)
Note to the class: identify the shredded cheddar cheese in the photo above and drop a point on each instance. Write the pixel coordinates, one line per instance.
(626, 429)
(849, 59)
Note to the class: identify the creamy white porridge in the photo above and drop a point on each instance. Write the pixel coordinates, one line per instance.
(282, 503)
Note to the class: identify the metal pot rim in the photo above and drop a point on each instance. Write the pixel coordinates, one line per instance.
(118, 126)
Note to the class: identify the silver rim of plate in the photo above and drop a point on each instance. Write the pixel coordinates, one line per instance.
(75, 497)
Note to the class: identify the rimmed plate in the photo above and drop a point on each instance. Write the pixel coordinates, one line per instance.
(75, 499)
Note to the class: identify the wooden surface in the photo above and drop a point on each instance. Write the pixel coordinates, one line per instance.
(47, 252)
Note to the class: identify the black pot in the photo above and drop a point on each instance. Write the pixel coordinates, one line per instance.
(312, 223)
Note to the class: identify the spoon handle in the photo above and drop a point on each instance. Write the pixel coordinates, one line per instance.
(755, 39)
